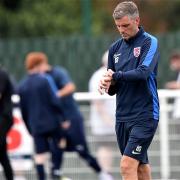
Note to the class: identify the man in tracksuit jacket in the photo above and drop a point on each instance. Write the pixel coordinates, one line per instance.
(131, 75)
(41, 111)
(73, 128)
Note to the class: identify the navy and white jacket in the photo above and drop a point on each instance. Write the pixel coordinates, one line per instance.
(135, 64)
(41, 109)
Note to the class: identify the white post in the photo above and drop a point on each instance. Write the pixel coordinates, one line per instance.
(164, 139)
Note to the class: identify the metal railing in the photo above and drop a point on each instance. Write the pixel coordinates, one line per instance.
(164, 152)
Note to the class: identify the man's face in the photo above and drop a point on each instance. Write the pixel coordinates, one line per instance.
(128, 27)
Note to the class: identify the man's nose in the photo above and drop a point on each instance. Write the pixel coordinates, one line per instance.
(121, 30)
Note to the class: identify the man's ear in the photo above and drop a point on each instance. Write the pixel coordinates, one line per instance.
(137, 20)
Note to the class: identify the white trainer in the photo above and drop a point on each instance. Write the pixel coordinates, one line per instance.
(105, 176)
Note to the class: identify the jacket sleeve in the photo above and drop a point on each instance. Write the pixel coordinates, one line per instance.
(23, 106)
(3, 82)
(6, 119)
(113, 87)
(51, 93)
(24, 112)
(148, 62)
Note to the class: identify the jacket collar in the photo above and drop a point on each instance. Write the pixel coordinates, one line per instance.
(139, 33)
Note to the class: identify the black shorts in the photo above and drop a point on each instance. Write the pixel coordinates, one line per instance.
(134, 138)
(42, 141)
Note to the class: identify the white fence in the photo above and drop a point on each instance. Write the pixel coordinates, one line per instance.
(165, 137)
(164, 152)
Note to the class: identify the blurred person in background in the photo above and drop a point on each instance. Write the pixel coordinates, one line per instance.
(131, 75)
(41, 112)
(6, 120)
(175, 66)
(102, 115)
(74, 135)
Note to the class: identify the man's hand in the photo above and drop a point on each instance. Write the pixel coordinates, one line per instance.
(105, 82)
(66, 125)
(109, 73)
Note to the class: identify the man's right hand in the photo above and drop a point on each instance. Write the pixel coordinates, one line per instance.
(105, 82)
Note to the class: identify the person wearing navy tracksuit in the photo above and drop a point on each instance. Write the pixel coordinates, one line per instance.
(74, 134)
(41, 111)
(131, 75)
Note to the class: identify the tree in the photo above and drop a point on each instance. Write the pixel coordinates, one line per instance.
(32, 18)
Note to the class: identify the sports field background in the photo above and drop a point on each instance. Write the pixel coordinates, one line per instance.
(74, 34)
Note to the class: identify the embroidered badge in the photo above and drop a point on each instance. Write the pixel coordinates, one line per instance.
(137, 51)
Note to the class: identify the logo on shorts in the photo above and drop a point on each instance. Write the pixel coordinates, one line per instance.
(137, 51)
(137, 150)
(116, 57)
(79, 147)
